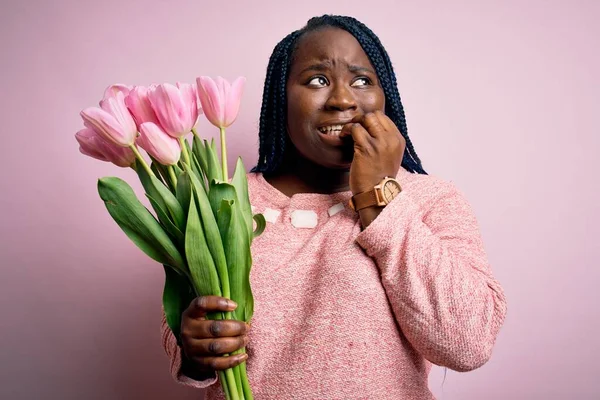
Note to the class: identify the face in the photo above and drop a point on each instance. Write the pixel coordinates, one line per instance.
(331, 81)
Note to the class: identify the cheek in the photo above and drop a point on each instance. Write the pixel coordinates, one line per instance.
(374, 101)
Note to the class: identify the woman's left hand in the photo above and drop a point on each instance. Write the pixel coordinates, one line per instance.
(378, 150)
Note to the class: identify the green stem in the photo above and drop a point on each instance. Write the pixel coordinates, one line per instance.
(230, 378)
(141, 159)
(224, 156)
(224, 386)
(195, 132)
(238, 377)
(227, 377)
(245, 383)
(172, 175)
(186, 155)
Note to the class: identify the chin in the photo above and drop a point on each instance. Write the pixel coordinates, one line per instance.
(338, 161)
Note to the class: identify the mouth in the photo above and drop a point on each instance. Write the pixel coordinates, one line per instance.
(331, 130)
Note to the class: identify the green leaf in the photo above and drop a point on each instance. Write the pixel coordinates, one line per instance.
(239, 260)
(138, 223)
(224, 218)
(198, 170)
(171, 203)
(166, 222)
(220, 191)
(162, 173)
(184, 190)
(154, 167)
(177, 296)
(181, 163)
(211, 231)
(164, 198)
(200, 152)
(213, 169)
(178, 171)
(200, 262)
(261, 224)
(240, 181)
(187, 146)
(149, 186)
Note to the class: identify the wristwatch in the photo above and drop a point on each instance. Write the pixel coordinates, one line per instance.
(381, 195)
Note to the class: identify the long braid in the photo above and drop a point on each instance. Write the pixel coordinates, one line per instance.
(282, 98)
(273, 118)
(273, 115)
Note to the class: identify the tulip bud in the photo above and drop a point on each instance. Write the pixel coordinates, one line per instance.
(164, 148)
(220, 100)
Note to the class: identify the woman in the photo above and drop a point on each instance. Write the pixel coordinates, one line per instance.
(369, 269)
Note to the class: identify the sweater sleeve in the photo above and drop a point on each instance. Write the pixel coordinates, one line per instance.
(437, 278)
(175, 354)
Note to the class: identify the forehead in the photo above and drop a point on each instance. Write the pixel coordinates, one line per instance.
(330, 44)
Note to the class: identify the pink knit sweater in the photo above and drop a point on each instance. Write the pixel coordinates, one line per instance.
(345, 314)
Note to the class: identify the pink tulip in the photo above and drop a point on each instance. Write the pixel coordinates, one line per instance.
(176, 108)
(138, 103)
(220, 100)
(190, 93)
(164, 148)
(93, 145)
(112, 90)
(112, 121)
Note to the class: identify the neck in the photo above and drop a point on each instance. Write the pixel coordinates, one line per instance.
(299, 175)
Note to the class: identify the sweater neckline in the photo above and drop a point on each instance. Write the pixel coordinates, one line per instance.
(300, 200)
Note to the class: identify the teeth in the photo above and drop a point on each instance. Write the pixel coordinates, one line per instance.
(332, 130)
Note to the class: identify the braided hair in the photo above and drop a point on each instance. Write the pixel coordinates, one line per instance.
(273, 136)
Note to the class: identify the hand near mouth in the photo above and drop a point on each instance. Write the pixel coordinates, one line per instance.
(378, 150)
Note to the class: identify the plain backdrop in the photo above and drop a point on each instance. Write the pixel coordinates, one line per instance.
(501, 97)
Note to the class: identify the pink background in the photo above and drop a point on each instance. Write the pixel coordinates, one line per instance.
(502, 97)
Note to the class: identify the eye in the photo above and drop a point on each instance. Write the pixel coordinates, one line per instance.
(318, 81)
(361, 81)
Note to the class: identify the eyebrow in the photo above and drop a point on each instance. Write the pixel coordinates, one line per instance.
(326, 65)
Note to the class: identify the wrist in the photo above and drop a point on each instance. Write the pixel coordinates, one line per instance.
(190, 369)
(378, 196)
(364, 186)
(367, 215)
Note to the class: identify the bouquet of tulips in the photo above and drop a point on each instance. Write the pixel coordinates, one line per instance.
(203, 225)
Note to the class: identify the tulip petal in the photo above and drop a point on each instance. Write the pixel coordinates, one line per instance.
(191, 100)
(117, 108)
(106, 126)
(223, 87)
(88, 144)
(112, 90)
(120, 156)
(171, 110)
(234, 97)
(164, 148)
(93, 145)
(209, 95)
(139, 105)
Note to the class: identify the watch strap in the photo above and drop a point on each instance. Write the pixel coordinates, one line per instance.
(364, 200)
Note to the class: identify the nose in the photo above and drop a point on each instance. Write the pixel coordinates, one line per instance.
(340, 98)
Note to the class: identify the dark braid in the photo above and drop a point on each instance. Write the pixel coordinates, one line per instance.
(273, 115)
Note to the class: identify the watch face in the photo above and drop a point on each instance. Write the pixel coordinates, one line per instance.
(390, 190)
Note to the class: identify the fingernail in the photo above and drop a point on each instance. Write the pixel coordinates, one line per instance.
(228, 304)
(244, 357)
